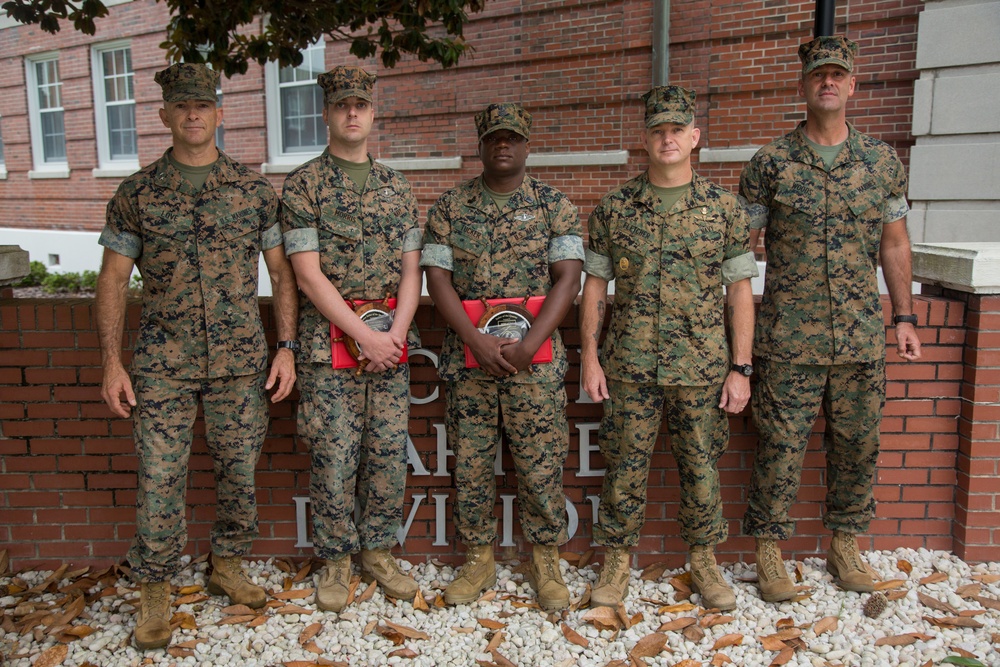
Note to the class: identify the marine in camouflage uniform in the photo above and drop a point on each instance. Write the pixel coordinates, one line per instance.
(195, 223)
(671, 241)
(505, 234)
(351, 231)
(833, 202)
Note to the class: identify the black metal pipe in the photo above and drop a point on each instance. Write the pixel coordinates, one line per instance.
(825, 12)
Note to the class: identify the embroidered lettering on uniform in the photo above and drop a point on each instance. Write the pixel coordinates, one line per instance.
(240, 215)
(524, 216)
(637, 230)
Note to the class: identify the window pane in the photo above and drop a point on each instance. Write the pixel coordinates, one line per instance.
(53, 136)
(302, 127)
(121, 131)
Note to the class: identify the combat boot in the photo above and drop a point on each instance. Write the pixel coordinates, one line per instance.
(844, 562)
(550, 589)
(378, 564)
(333, 584)
(772, 577)
(152, 625)
(229, 579)
(478, 574)
(707, 580)
(612, 584)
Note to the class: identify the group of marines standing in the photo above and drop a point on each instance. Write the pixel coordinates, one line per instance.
(345, 233)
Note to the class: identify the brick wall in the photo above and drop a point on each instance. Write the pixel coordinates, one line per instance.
(67, 470)
(579, 66)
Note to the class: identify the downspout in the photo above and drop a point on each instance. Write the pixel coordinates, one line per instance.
(825, 12)
(661, 42)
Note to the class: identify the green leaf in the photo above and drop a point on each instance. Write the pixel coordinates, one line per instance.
(959, 660)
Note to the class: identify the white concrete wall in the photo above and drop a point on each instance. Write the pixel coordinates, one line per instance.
(955, 164)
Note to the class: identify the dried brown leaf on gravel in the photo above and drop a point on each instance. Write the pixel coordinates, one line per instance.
(303, 572)
(889, 584)
(676, 608)
(989, 603)
(286, 609)
(935, 578)
(602, 618)
(237, 610)
(654, 571)
(407, 631)
(179, 652)
(693, 633)
(649, 646)
(573, 636)
(677, 624)
(367, 593)
(623, 617)
(182, 619)
(496, 640)
(52, 657)
(688, 662)
(968, 590)
(297, 594)
(501, 660)
(713, 620)
(733, 639)
(260, 620)
(772, 643)
(934, 603)
(904, 566)
(309, 632)
(490, 624)
(585, 558)
(953, 622)
(785, 623)
(233, 620)
(783, 657)
(4, 562)
(194, 598)
(897, 640)
(419, 603)
(826, 624)
(720, 659)
(896, 595)
(403, 653)
(190, 590)
(986, 578)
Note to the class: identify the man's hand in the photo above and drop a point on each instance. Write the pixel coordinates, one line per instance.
(735, 393)
(593, 381)
(488, 351)
(518, 355)
(907, 343)
(282, 372)
(379, 351)
(115, 385)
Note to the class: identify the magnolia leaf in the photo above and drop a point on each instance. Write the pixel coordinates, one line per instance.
(895, 595)
(688, 662)
(407, 631)
(286, 609)
(783, 656)
(720, 659)
(904, 566)
(785, 623)
(623, 616)
(403, 653)
(232, 620)
(936, 604)
(990, 603)
(490, 624)
(677, 624)
(191, 644)
(52, 657)
(367, 593)
(676, 608)
(772, 643)
(178, 652)
(649, 646)
(574, 637)
(368, 628)
(194, 598)
(827, 624)
(602, 618)
(500, 659)
(890, 584)
(799, 572)
(896, 640)
(309, 632)
(654, 571)
(734, 639)
(488, 596)
(986, 578)
(495, 641)
(585, 558)
(190, 590)
(182, 619)
(302, 573)
(260, 620)
(237, 610)
(693, 633)
(713, 620)
(953, 622)
(951, 660)
(935, 578)
(968, 590)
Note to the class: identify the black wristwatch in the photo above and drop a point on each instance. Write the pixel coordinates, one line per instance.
(743, 369)
(909, 319)
(292, 345)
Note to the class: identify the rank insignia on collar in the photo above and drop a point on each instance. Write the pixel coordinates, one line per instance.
(704, 210)
(524, 216)
(387, 192)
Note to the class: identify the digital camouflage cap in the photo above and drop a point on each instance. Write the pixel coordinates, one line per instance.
(836, 50)
(188, 81)
(669, 104)
(343, 81)
(504, 116)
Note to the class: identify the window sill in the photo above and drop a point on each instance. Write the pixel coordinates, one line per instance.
(118, 171)
(49, 173)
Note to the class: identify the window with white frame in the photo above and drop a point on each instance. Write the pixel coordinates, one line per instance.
(295, 128)
(45, 111)
(114, 106)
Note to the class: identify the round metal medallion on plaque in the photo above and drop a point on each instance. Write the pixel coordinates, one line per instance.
(506, 320)
(377, 316)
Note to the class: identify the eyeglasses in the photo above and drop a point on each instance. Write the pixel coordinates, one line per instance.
(507, 138)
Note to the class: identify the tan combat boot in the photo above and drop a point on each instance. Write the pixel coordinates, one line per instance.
(612, 584)
(478, 574)
(152, 625)
(707, 580)
(333, 584)
(550, 589)
(772, 577)
(378, 564)
(844, 562)
(228, 579)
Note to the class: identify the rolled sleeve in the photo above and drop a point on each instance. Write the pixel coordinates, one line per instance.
(413, 239)
(301, 240)
(122, 243)
(271, 238)
(565, 247)
(896, 208)
(598, 265)
(437, 255)
(739, 268)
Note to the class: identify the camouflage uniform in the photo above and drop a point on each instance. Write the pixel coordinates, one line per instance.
(820, 335)
(495, 254)
(666, 347)
(354, 425)
(200, 336)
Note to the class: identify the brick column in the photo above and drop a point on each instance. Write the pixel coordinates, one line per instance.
(971, 272)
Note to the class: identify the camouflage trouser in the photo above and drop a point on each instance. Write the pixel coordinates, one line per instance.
(786, 403)
(163, 421)
(699, 435)
(534, 421)
(355, 427)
